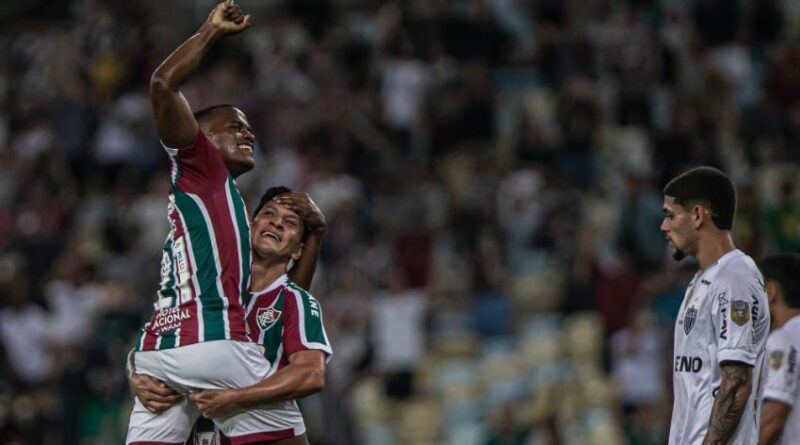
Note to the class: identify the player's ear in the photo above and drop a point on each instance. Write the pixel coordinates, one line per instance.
(298, 252)
(698, 215)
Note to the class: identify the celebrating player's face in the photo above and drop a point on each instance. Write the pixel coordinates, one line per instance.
(231, 133)
(675, 226)
(277, 231)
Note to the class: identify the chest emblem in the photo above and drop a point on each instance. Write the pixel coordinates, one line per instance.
(776, 359)
(688, 320)
(740, 312)
(266, 317)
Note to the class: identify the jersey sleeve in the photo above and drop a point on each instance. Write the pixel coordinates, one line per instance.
(303, 326)
(197, 168)
(780, 383)
(736, 309)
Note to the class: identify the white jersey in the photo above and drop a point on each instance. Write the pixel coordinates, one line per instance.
(780, 383)
(724, 317)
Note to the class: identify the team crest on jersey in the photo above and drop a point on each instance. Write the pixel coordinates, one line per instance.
(776, 359)
(266, 317)
(740, 312)
(688, 320)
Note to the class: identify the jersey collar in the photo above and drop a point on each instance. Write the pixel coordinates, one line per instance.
(727, 257)
(280, 281)
(721, 260)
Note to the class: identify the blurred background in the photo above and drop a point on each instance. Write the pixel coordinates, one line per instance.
(491, 172)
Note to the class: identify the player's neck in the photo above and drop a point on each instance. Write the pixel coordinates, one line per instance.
(265, 273)
(783, 316)
(712, 247)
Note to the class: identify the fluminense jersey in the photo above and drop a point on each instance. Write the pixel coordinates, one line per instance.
(724, 317)
(284, 319)
(205, 266)
(781, 374)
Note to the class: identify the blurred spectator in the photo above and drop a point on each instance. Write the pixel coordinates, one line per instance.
(398, 334)
(27, 337)
(783, 218)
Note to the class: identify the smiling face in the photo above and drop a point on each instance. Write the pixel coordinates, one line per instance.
(679, 229)
(277, 233)
(228, 129)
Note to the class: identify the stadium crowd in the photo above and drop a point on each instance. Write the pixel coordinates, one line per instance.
(491, 171)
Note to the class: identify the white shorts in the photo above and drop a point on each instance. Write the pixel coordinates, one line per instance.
(218, 364)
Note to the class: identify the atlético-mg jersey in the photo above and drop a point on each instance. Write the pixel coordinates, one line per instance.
(724, 317)
(205, 266)
(284, 319)
(780, 382)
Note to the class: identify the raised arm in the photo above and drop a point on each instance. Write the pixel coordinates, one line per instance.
(730, 402)
(303, 376)
(175, 123)
(303, 272)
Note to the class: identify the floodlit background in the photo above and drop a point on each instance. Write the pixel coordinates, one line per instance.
(493, 271)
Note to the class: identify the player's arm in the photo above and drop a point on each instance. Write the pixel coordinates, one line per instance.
(303, 376)
(780, 387)
(175, 123)
(730, 403)
(301, 203)
(773, 419)
(154, 394)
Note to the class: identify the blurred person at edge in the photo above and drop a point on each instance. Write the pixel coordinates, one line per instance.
(780, 421)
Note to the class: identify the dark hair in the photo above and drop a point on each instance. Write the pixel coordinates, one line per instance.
(707, 186)
(271, 193)
(207, 112)
(785, 269)
(268, 195)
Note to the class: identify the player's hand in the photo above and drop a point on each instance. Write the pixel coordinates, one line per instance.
(153, 393)
(228, 18)
(302, 204)
(214, 403)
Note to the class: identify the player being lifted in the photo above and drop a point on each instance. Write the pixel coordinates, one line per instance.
(780, 419)
(281, 317)
(196, 337)
(723, 321)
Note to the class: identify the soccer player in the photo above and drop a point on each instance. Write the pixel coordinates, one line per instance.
(284, 319)
(197, 337)
(723, 321)
(779, 420)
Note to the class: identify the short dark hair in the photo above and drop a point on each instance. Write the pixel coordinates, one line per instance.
(707, 186)
(269, 195)
(207, 112)
(785, 269)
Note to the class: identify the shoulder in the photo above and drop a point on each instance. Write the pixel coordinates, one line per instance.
(738, 273)
(790, 332)
(777, 339)
(292, 290)
(200, 141)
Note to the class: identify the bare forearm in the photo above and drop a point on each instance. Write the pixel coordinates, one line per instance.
(186, 58)
(729, 404)
(770, 432)
(291, 382)
(303, 272)
(773, 419)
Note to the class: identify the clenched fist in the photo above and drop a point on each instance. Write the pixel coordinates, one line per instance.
(228, 18)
